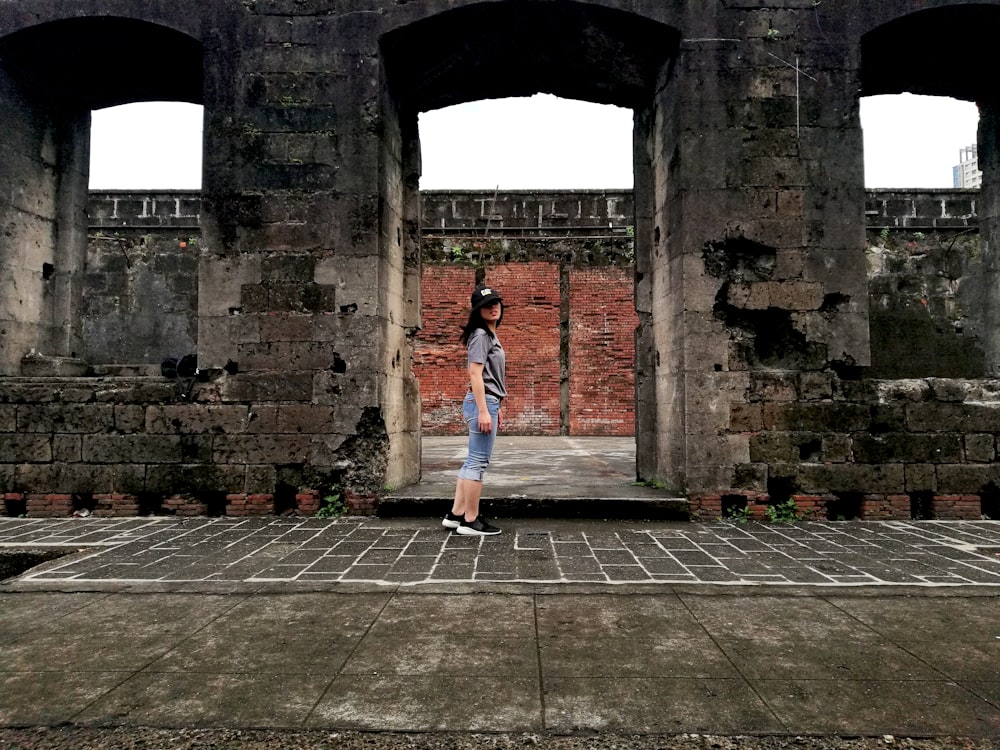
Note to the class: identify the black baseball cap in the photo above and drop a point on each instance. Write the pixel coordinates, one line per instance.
(483, 296)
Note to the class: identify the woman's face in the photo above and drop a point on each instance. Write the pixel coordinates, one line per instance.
(491, 313)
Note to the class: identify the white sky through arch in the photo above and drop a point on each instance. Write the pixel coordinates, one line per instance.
(539, 142)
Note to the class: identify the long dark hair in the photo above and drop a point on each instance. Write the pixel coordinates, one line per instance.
(476, 321)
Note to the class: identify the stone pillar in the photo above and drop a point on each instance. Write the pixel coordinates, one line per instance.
(302, 277)
(28, 214)
(759, 229)
(983, 291)
(66, 337)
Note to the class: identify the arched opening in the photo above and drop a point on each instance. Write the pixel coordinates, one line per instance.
(934, 295)
(139, 302)
(484, 51)
(151, 146)
(46, 102)
(540, 206)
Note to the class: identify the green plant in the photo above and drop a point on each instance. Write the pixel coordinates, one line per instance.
(331, 507)
(738, 515)
(786, 512)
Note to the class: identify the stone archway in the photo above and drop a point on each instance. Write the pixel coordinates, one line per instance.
(52, 75)
(490, 50)
(948, 51)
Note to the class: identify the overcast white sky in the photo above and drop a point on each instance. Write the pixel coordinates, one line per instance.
(536, 142)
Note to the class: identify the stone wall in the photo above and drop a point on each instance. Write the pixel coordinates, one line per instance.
(565, 255)
(140, 292)
(749, 238)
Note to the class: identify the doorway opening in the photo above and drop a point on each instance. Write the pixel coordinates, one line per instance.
(140, 293)
(554, 235)
(932, 281)
(46, 103)
(566, 49)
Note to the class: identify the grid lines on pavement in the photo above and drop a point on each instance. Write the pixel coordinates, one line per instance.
(408, 552)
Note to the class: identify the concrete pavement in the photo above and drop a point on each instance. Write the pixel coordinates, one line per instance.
(658, 632)
(159, 622)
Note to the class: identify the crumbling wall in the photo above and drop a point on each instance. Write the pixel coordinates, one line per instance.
(140, 286)
(874, 449)
(750, 244)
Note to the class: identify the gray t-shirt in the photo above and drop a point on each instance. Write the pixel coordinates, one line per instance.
(485, 349)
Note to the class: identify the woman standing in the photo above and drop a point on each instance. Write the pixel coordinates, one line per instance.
(480, 410)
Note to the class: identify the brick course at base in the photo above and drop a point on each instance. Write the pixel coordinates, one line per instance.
(249, 505)
(114, 506)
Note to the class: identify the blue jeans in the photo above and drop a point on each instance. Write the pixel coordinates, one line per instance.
(480, 443)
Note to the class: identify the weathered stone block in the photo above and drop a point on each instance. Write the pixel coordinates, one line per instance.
(287, 355)
(286, 327)
(258, 387)
(773, 447)
(750, 477)
(74, 478)
(181, 478)
(194, 419)
(305, 418)
(952, 417)
(35, 365)
(8, 418)
(817, 417)
(815, 386)
(718, 450)
(262, 478)
(773, 386)
(129, 418)
(884, 478)
(287, 268)
(837, 448)
(888, 418)
(26, 448)
(65, 418)
(921, 478)
(795, 295)
(262, 449)
(907, 448)
(745, 417)
(127, 449)
(980, 448)
(128, 478)
(67, 449)
(138, 391)
(966, 478)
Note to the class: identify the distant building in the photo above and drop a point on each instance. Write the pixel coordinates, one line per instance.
(967, 173)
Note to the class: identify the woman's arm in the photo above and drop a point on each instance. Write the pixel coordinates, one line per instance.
(479, 392)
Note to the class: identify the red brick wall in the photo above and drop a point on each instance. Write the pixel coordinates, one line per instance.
(602, 322)
(530, 336)
(438, 357)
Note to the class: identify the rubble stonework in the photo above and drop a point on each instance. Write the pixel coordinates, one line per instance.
(750, 248)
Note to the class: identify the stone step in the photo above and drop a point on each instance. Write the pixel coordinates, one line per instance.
(400, 505)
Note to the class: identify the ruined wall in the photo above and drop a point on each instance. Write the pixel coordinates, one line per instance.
(140, 289)
(750, 243)
(924, 261)
(140, 298)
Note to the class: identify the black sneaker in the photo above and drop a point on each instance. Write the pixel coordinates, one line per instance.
(479, 527)
(451, 521)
